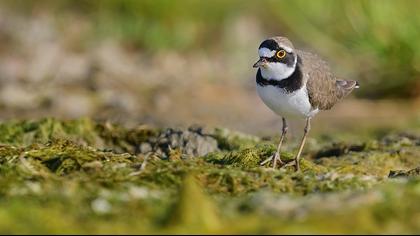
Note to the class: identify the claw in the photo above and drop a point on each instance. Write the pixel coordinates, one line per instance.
(266, 160)
(293, 163)
(282, 163)
(275, 158)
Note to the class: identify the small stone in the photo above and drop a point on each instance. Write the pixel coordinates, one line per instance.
(145, 148)
(101, 206)
(190, 142)
(138, 192)
(92, 165)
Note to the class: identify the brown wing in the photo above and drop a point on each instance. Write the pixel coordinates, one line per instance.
(324, 89)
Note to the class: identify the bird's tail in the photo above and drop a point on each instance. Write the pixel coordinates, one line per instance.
(346, 86)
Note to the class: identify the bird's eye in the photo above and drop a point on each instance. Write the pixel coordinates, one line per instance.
(280, 54)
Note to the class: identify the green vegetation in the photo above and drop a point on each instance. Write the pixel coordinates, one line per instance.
(75, 177)
(377, 39)
(124, 60)
(376, 43)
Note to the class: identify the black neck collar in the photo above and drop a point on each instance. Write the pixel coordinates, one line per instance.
(290, 84)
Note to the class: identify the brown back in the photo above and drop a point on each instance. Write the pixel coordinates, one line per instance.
(324, 88)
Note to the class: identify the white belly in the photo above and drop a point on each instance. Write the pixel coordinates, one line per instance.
(288, 105)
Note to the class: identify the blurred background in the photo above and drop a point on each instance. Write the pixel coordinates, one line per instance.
(177, 63)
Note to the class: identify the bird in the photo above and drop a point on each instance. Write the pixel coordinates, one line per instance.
(296, 84)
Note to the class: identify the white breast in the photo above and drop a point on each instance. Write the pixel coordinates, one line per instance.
(288, 105)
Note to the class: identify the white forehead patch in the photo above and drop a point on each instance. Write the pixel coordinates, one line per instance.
(286, 48)
(265, 52)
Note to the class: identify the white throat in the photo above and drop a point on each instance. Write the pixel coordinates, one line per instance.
(275, 70)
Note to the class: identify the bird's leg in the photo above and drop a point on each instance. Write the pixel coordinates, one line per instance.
(306, 130)
(277, 154)
(276, 157)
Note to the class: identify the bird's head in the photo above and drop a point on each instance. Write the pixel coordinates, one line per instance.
(278, 58)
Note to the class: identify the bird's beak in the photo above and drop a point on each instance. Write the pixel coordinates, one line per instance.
(260, 63)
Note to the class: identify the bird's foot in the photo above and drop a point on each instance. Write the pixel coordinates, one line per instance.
(275, 158)
(294, 163)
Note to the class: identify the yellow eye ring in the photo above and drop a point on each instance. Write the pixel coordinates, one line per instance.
(280, 54)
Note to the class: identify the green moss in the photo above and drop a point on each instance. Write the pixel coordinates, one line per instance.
(121, 139)
(401, 173)
(185, 216)
(59, 172)
(247, 157)
(231, 140)
(82, 131)
(28, 132)
(63, 156)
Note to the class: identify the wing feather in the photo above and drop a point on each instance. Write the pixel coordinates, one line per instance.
(324, 88)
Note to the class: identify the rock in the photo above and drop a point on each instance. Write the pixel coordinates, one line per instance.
(101, 206)
(74, 103)
(191, 142)
(146, 148)
(15, 96)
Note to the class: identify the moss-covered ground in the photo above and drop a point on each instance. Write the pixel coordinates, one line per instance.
(80, 176)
